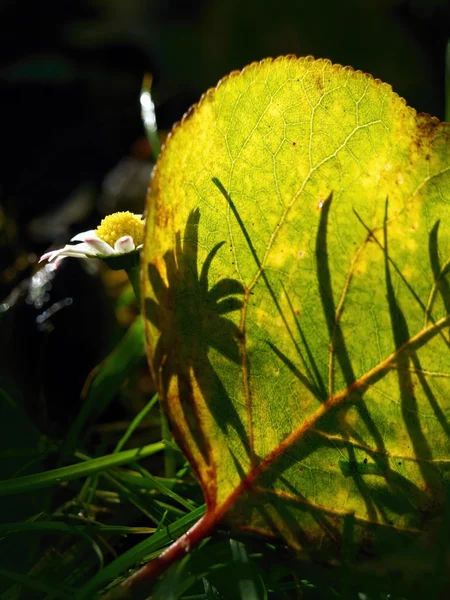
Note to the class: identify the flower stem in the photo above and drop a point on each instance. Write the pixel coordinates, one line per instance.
(133, 272)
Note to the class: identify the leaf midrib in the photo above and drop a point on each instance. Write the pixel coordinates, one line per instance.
(219, 511)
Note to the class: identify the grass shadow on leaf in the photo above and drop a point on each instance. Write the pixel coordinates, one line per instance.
(408, 401)
(441, 286)
(311, 380)
(385, 491)
(441, 283)
(339, 353)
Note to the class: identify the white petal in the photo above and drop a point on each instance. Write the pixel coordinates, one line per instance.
(124, 244)
(100, 247)
(47, 255)
(81, 237)
(58, 261)
(77, 250)
(77, 255)
(52, 255)
(60, 257)
(139, 247)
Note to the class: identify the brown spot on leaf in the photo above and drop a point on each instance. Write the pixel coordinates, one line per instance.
(424, 134)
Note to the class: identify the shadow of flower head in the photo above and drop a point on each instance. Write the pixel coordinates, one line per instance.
(191, 319)
(188, 314)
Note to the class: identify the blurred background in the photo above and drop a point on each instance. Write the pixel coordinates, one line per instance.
(74, 149)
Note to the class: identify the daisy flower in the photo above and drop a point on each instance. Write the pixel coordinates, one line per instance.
(119, 234)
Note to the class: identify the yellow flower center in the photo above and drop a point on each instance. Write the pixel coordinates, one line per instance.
(119, 224)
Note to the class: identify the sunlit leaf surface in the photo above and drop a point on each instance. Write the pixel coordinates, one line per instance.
(297, 300)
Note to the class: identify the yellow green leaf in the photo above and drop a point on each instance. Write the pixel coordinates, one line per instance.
(297, 299)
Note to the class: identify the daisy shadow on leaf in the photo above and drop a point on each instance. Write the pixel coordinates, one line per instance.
(191, 319)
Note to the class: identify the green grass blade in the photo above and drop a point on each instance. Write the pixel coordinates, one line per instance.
(148, 481)
(105, 380)
(59, 527)
(44, 479)
(138, 553)
(244, 572)
(149, 117)
(138, 500)
(135, 423)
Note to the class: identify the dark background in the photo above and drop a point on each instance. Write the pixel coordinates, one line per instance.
(70, 77)
(71, 71)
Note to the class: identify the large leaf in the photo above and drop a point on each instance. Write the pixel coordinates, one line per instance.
(297, 304)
